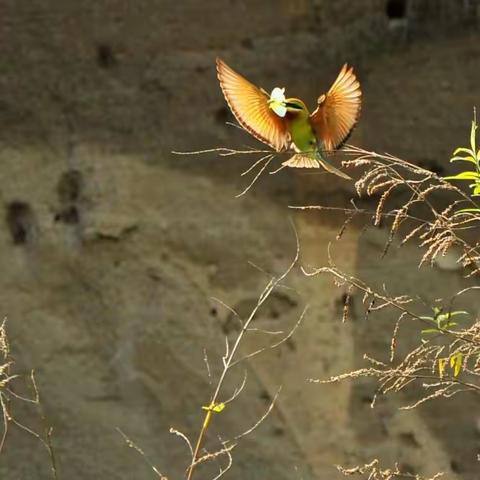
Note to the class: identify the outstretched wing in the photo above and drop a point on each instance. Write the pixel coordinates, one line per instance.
(338, 110)
(249, 104)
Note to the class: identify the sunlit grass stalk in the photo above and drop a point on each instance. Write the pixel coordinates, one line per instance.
(229, 360)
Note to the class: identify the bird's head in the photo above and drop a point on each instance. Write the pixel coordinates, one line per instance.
(281, 105)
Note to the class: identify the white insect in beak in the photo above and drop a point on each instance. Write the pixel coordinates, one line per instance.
(277, 101)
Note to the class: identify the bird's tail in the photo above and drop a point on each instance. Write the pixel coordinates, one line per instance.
(313, 160)
(302, 160)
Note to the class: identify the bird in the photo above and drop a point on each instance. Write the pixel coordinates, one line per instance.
(286, 123)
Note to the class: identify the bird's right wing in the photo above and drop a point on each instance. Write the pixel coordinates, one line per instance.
(249, 104)
(338, 110)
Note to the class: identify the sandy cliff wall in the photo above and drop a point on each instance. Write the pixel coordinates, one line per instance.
(112, 247)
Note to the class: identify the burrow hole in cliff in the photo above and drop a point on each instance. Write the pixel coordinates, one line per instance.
(68, 215)
(69, 191)
(396, 9)
(70, 186)
(20, 221)
(106, 57)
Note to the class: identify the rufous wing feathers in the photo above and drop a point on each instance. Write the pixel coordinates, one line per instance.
(338, 110)
(249, 104)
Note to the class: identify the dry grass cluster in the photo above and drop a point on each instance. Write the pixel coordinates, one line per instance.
(418, 206)
(5, 379)
(373, 471)
(446, 360)
(8, 395)
(435, 228)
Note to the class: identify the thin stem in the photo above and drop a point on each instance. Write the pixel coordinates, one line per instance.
(229, 360)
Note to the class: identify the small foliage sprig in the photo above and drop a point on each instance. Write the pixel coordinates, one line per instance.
(426, 363)
(441, 320)
(470, 155)
(445, 359)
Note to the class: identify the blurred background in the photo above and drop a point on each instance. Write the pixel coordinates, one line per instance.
(112, 247)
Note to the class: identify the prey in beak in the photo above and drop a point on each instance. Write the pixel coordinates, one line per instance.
(277, 101)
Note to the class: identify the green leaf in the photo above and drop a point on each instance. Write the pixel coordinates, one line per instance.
(456, 362)
(472, 135)
(464, 159)
(449, 325)
(218, 407)
(458, 365)
(443, 320)
(468, 210)
(445, 316)
(214, 407)
(464, 150)
(431, 330)
(441, 366)
(464, 176)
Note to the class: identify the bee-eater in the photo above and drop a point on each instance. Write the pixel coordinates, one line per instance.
(285, 123)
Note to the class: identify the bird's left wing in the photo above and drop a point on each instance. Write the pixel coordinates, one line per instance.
(338, 110)
(249, 104)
